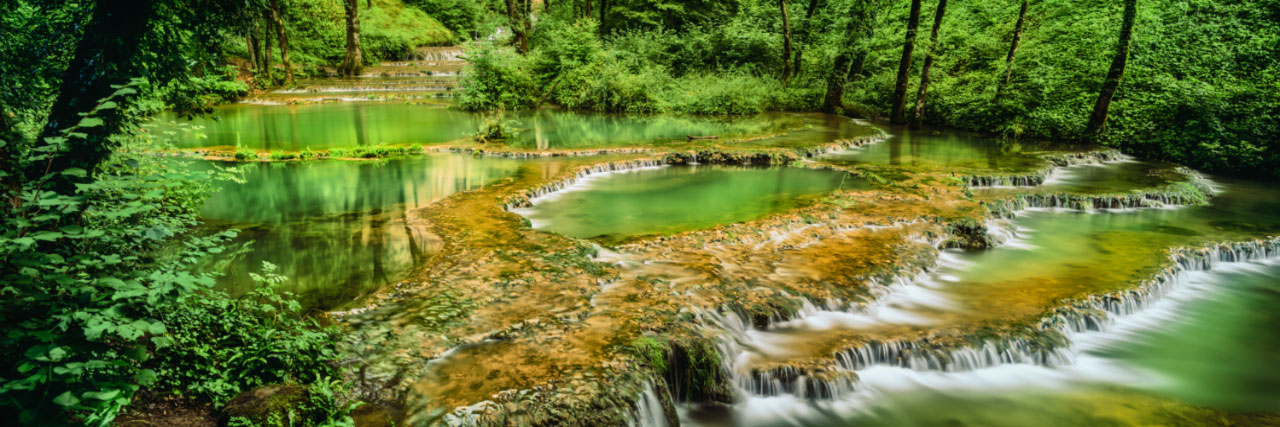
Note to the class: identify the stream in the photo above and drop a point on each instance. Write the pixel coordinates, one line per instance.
(346, 231)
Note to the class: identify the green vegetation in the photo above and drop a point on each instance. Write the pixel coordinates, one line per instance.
(1210, 105)
(103, 294)
(390, 31)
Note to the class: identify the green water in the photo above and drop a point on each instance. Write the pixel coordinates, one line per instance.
(1215, 349)
(942, 148)
(1213, 344)
(678, 198)
(348, 124)
(339, 229)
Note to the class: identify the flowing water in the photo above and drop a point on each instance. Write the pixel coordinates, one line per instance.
(1212, 342)
(671, 199)
(343, 229)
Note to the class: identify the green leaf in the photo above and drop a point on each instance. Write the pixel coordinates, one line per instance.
(66, 399)
(89, 122)
(106, 105)
(102, 395)
(76, 172)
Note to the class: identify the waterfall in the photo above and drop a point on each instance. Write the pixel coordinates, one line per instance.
(649, 411)
(1046, 344)
(1039, 177)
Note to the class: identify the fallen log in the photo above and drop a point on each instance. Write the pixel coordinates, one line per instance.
(691, 137)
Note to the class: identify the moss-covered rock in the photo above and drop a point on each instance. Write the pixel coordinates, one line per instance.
(266, 405)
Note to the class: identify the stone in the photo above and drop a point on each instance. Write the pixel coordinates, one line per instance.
(260, 404)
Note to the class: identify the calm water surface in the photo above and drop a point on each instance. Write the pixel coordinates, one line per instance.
(671, 199)
(348, 124)
(339, 229)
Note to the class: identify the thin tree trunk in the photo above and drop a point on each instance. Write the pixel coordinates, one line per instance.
(517, 27)
(284, 41)
(353, 64)
(863, 17)
(1013, 51)
(899, 112)
(587, 10)
(1098, 120)
(918, 118)
(266, 53)
(855, 71)
(786, 43)
(604, 8)
(804, 36)
(251, 43)
(527, 20)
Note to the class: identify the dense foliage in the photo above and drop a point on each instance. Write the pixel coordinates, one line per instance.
(102, 296)
(1201, 87)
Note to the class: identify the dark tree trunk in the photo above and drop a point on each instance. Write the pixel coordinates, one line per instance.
(855, 71)
(1013, 51)
(251, 43)
(899, 112)
(1098, 120)
(266, 54)
(284, 41)
(804, 36)
(586, 11)
(786, 43)
(604, 8)
(864, 19)
(918, 117)
(517, 26)
(103, 58)
(353, 64)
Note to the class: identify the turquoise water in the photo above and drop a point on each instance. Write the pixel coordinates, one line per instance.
(677, 198)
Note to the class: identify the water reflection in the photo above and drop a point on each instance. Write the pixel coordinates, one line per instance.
(339, 229)
(330, 125)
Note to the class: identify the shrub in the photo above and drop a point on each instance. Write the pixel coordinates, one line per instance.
(496, 78)
(219, 346)
(245, 154)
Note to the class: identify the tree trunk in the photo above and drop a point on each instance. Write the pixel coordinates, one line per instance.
(1013, 51)
(786, 43)
(284, 41)
(804, 36)
(517, 27)
(266, 54)
(864, 18)
(353, 64)
(97, 64)
(899, 113)
(251, 44)
(586, 11)
(918, 118)
(855, 71)
(604, 7)
(1098, 120)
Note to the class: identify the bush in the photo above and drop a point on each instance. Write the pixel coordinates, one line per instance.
(496, 78)
(245, 154)
(219, 346)
(462, 17)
